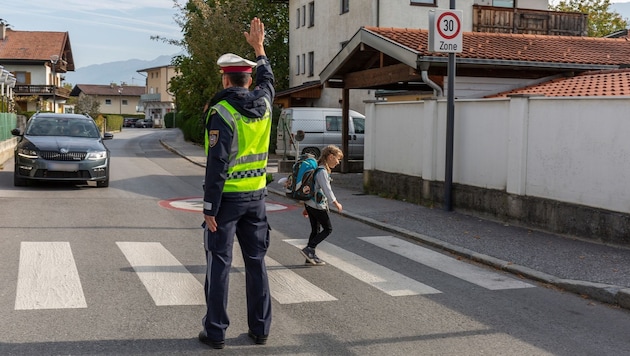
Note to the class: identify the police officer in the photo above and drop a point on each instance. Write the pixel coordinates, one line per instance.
(238, 127)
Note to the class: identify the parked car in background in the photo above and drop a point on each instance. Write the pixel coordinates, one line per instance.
(61, 147)
(130, 121)
(144, 123)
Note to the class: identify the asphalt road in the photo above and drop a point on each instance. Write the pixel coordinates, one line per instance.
(119, 271)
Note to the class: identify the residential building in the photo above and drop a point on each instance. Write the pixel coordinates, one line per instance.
(320, 30)
(38, 61)
(113, 98)
(157, 101)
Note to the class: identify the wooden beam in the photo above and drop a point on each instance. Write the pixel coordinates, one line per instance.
(381, 76)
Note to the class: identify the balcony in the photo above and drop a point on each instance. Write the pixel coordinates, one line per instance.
(41, 90)
(150, 97)
(526, 21)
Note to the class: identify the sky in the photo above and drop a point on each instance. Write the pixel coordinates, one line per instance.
(101, 31)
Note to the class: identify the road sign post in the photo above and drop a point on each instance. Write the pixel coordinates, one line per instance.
(445, 36)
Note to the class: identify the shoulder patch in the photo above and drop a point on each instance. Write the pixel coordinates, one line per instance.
(213, 137)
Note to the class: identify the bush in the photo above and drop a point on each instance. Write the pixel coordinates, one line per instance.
(193, 130)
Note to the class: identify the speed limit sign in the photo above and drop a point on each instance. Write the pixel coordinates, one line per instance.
(445, 31)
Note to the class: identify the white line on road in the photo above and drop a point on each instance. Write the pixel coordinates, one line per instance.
(286, 286)
(165, 278)
(384, 279)
(466, 271)
(48, 277)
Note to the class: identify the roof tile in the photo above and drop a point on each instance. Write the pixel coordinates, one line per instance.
(520, 47)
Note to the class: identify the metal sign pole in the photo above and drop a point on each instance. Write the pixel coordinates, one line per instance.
(450, 123)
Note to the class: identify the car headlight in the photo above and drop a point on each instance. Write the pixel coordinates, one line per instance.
(96, 155)
(27, 153)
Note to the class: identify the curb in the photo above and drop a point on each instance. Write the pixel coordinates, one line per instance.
(605, 293)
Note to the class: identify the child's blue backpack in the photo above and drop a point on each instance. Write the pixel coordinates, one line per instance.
(300, 183)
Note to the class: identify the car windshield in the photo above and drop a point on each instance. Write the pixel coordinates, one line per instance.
(63, 126)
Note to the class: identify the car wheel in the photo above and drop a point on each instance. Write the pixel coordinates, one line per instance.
(311, 150)
(102, 183)
(19, 182)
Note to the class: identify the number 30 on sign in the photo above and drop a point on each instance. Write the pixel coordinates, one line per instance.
(445, 31)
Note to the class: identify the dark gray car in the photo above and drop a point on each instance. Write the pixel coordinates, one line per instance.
(61, 147)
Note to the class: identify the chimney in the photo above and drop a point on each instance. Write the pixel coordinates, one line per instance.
(3, 34)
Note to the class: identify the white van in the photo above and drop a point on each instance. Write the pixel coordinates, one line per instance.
(321, 127)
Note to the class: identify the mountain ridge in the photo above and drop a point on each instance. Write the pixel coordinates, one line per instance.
(116, 72)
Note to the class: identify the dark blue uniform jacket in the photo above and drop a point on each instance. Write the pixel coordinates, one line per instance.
(249, 104)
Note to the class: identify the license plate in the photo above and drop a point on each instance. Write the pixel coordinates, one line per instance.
(63, 167)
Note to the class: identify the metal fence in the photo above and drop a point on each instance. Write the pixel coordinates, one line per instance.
(8, 121)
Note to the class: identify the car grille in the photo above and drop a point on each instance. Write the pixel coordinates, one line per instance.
(57, 156)
(42, 173)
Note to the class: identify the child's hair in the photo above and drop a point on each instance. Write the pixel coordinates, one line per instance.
(330, 150)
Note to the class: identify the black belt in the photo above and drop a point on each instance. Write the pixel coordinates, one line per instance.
(245, 196)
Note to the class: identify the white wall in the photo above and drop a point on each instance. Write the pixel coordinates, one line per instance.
(573, 150)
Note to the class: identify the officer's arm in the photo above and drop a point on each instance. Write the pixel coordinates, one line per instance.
(216, 164)
(264, 75)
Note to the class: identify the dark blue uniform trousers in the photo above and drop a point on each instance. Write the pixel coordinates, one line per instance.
(248, 221)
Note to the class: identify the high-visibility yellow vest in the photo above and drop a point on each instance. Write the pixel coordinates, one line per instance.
(247, 166)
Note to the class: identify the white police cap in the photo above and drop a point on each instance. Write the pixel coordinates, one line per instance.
(231, 63)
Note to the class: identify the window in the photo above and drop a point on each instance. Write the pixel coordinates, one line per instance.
(298, 18)
(108, 101)
(333, 123)
(304, 15)
(359, 125)
(311, 64)
(311, 14)
(345, 6)
(297, 65)
(503, 3)
(303, 63)
(22, 77)
(125, 102)
(422, 2)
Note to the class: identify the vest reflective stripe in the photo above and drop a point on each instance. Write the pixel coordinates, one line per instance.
(247, 166)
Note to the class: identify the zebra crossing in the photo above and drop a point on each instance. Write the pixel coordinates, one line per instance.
(48, 277)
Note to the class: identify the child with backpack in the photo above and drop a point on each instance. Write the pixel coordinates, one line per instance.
(316, 209)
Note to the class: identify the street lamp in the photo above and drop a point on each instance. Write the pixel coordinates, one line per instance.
(120, 89)
(54, 59)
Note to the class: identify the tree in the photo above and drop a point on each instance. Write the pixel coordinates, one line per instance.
(601, 19)
(211, 28)
(87, 104)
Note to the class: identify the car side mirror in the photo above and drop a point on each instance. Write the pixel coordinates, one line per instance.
(108, 136)
(16, 132)
(299, 136)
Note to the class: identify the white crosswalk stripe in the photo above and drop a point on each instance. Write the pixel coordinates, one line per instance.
(287, 287)
(48, 277)
(165, 278)
(381, 278)
(465, 271)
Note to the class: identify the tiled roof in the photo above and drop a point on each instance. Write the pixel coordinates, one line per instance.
(520, 47)
(596, 83)
(32, 45)
(108, 90)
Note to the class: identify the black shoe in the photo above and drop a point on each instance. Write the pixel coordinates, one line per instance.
(258, 339)
(309, 254)
(214, 344)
